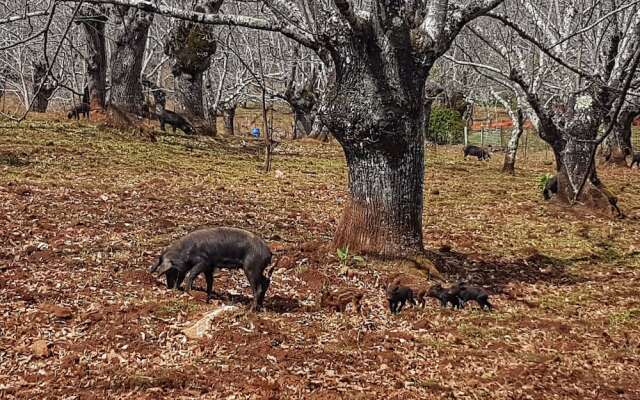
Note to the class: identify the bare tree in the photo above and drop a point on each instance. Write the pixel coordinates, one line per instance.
(93, 19)
(130, 37)
(191, 46)
(43, 86)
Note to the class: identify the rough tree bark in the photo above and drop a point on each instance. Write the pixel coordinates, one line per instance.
(191, 47)
(93, 19)
(617, 146)
(572, 153)
(377, 114)
(572, 134)
(126, 96)
(43, 87)
(301, 96)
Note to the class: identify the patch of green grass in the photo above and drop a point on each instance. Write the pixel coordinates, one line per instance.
(625, 317)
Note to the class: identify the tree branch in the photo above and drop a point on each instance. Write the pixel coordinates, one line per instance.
(524, 35)
(287, 29)
(548, 130)
(24, 16)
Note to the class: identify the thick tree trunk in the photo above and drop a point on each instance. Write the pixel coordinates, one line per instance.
(509, 166)
(191, 47)
(126, 62)
(384, 213)
(617, 146)
(381, 129)
(190, 102)
(572, 163)
(93, 21)
(228, 117)
(43, 88)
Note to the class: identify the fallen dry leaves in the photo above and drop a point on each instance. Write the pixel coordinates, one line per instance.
(86, 211)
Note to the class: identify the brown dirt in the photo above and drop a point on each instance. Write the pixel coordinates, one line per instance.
(83, 220)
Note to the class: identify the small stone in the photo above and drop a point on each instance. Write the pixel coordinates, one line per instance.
(40, 348)
(279, 174)
(198, 329)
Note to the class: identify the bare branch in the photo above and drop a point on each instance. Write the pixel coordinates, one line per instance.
(287, 29)
(24, 16)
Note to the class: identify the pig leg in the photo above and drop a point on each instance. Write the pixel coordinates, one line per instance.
(256, 279)
(209, 277)
(193, 274)
(484, 303)
(172, 278)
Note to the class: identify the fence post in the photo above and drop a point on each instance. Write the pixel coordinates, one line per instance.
(466, 139)
(482, 137)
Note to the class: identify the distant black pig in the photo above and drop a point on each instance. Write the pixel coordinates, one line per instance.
(177, 121)
(207, 250)
(476, 151)
(467, 292)
(398, 295)
(81, 109)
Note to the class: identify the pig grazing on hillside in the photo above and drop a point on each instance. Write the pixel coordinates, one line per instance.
(175, 120)
(81, 109)
(476, 151)
(207, 250)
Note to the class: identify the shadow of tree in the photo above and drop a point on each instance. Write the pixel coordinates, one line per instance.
(497, 273)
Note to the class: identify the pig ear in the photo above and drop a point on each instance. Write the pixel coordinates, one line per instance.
(165, 266)
(156, 265)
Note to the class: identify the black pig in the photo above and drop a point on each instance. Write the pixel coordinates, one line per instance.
(81, 109)
(635, 160)
(398, 295)
(466, 293)
(177, 121)
(206, 250)
(445, 295)
(476, 151)
(550, 187)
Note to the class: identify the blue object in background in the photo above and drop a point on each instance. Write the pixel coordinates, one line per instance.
(255, 132)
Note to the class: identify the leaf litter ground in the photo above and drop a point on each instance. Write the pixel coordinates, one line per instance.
(84, 211)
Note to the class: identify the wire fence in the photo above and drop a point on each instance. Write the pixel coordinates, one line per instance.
(499, 137)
